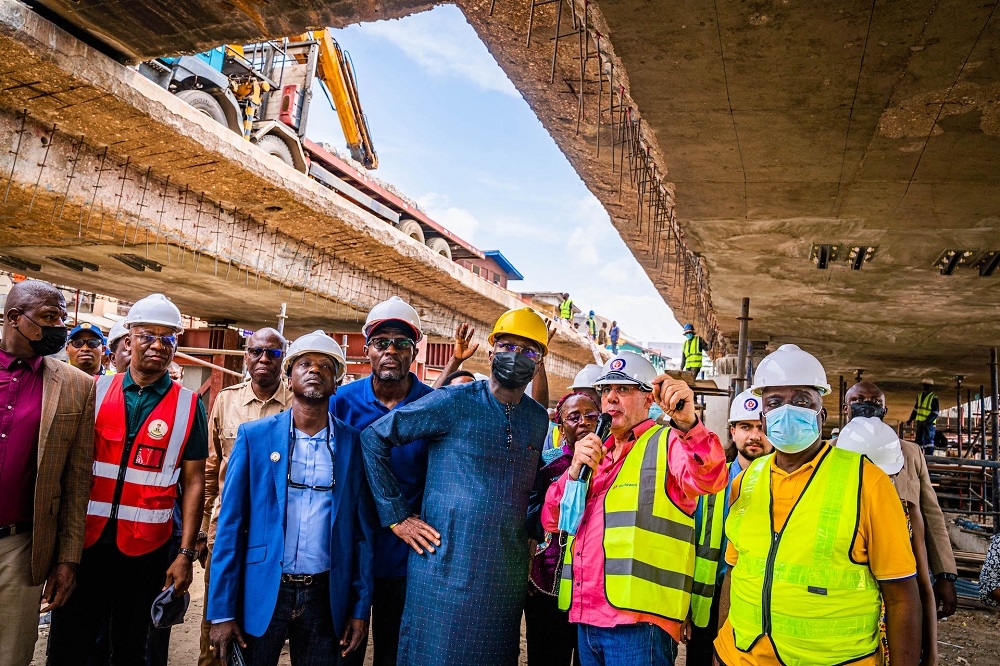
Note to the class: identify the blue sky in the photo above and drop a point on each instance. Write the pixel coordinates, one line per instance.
(453, 133)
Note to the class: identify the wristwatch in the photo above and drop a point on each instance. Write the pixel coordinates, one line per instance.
(948, 576)
(192, 555)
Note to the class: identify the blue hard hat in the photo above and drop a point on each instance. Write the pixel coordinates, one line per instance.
(688, 327)
(591, 313)
(87, 326)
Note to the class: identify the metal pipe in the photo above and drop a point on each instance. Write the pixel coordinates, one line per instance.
(741, 353)
(995, 425)
(841, 390)
(968, 418)
(213, 366)
(282, 316)
(958, 410)
(982, 418)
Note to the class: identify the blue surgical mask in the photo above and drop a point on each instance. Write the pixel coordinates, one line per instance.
(792, 429)
(689, 335)
(574, 501)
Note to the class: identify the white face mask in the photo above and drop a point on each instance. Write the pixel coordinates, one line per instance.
(792, 429)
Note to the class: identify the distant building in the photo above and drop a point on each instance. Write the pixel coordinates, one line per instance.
(494, 268)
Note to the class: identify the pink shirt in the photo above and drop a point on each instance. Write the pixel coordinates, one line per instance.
(697, 467)
(20, 418)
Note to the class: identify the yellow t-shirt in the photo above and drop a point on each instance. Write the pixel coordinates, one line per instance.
(886, 550)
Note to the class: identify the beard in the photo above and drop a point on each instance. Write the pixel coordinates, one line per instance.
(392, 375)
(752, 455)
(313, 394)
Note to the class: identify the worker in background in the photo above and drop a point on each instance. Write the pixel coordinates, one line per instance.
(176, 372)
(613, 335)
(293, 549)
(46, 450)
(694, 350)
(592, 326)
(85, 348)
(870, 437)
(566, 307)
(392, 331)
(459, 377)
(812, 581)
(117, 349)
(602, 335)
(924, 416)
(466, 583)
(550, 637)
(150, 432)
(263, 395)
(914, 486)
(750, 440)
(626, 574)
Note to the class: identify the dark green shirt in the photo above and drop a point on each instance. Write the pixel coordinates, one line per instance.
(139, 404)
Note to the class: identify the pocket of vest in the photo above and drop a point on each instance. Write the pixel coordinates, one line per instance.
(149, 457)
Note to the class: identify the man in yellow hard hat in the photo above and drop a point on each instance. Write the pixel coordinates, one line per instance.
(468, 577)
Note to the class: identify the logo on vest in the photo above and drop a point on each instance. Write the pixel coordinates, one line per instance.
(618, 364)
(158, 429)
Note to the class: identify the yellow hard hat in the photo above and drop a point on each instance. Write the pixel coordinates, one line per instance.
(524, 322)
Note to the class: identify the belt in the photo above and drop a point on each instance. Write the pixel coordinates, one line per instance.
(305, 579)
(16, 528)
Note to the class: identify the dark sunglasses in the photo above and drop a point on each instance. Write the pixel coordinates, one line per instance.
(90, 342)
(146, 340)
(273, 354)
(401, 344)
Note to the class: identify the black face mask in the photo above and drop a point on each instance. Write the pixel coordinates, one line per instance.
(512, 370)
(53, 338)
(867, 409)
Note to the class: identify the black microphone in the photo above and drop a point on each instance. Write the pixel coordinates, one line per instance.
(602, 432)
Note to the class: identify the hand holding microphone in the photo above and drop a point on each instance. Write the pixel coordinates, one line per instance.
(590, 450)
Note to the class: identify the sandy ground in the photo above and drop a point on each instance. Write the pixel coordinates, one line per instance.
(969, 638)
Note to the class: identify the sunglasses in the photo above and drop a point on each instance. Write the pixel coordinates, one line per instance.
(273, 354)
(146, 340)
(89, 342)
(401, 344)
(527, 352)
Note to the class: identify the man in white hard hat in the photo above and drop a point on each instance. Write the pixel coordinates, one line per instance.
(264, 394)
(750, 440)
(293, 548)
(626, 576)
(811, 581)
(392, 331)
(117, 349)
(150, 433)
(914, 485)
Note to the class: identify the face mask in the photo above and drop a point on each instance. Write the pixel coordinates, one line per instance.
(571, 506)
(53, 339)
(689, 335)
(867, 409)
(512, 370)
(792, 429)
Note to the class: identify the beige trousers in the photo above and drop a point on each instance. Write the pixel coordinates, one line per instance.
(19, 602)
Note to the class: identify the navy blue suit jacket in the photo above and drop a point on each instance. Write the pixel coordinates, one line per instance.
(250, 539)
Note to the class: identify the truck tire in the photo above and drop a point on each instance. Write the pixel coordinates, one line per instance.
(440, 246)
(273, 145)
(204, 102)
(412, 229)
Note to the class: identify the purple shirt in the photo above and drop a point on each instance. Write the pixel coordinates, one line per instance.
(20, 417)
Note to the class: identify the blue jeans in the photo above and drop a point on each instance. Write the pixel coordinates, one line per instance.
(641, 644)
(302, 615)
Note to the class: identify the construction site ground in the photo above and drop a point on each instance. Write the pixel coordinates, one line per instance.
(968, 638)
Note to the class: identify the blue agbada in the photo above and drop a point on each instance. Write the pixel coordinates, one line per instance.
(464, 602)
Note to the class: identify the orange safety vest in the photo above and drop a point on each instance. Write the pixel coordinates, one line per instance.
(148, 478)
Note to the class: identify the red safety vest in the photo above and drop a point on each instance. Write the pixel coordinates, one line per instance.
(145, 509)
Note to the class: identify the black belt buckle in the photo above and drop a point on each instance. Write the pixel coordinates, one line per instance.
(301, 579)
(16, 528)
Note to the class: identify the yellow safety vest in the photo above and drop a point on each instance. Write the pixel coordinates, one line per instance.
(707, 554)
(566, 308)
(800, 586)
(924, 403)
(648, 542)
(692, 353)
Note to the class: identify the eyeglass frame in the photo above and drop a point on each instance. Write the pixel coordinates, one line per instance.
(621, 389)
(85, 341)
(527, 352)
(383, 344)
(147, 339)
(579, 418)
(333, 461)
(258, 352)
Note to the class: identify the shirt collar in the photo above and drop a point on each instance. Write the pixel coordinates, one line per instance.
(160, 386)
(6, 359)
(410, 396)
(809, 465)
(281, 395)
(635, 433)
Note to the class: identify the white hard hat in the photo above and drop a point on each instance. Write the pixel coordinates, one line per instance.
(745, 407)
(155, 309)
(870, 437)
(790, 366)
(394, 309)
(628, 368)
(585, 378)
(317, 342)
(117, 332)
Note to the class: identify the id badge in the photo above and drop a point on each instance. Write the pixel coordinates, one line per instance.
(149, 457)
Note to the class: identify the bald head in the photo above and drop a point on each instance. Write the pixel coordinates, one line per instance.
(864, 399)
(31, 293)
(267, 335)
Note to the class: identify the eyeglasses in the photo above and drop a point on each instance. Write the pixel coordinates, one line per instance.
(146, 340)
(576, 418)
(306, 486)
(401, 344)
(90, 342)
(527, 352)
(273, 354)
(621, 389)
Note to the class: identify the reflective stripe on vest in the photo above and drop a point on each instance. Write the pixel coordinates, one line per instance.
(148, 480)
(799, 586)
(566, 308)
(648, 542)
(924, 403)
(692, 353)
(707, 554)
